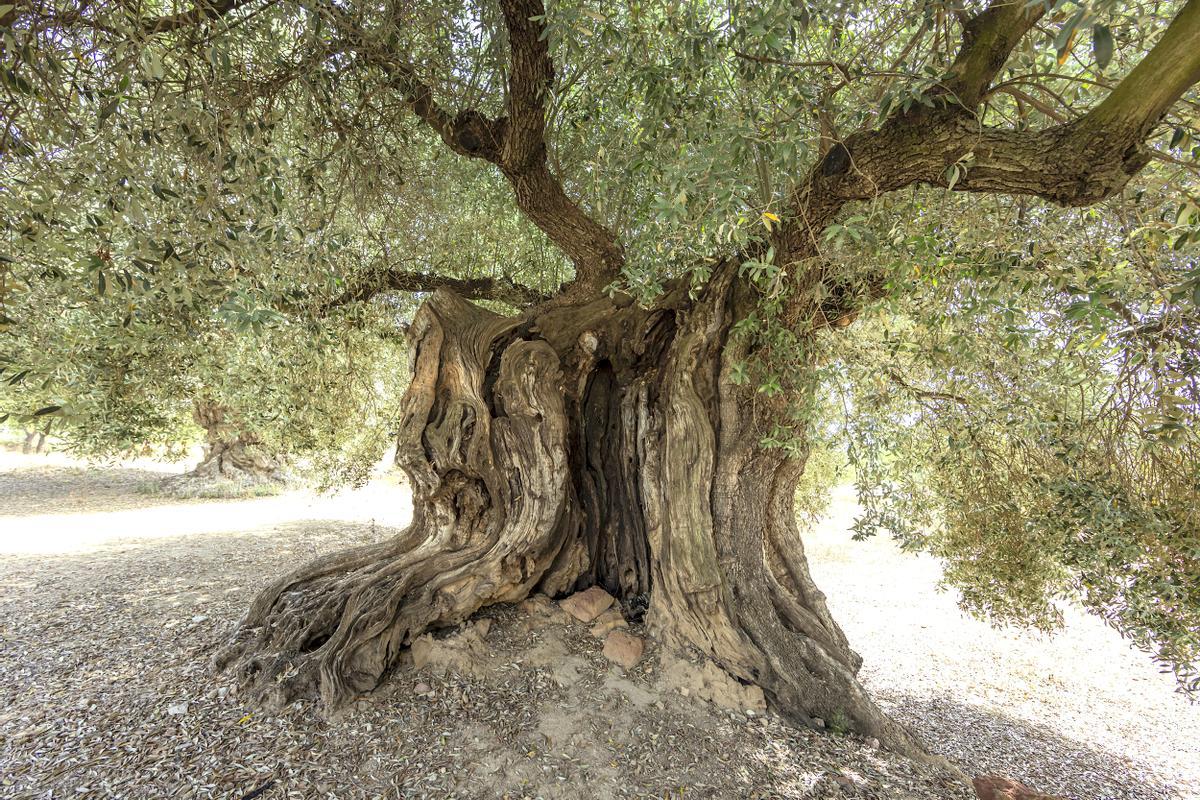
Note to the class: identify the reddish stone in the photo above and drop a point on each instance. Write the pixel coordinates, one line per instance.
(995, 787)
(624, 649)
(585, 606)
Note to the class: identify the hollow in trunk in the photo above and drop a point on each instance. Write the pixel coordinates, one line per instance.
(593, 443)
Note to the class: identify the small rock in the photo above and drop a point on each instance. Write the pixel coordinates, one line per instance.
(422, 688)
(176, 709)
(540, 611)
(585, 606)
(995, 787)
(624, 649)
(818, 722)
(873, 743)
(608, 621)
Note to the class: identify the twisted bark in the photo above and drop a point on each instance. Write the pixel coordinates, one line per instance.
(601, 443)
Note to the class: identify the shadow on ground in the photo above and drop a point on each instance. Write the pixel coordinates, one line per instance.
(201, 582)
(991, 741)
(112, 602)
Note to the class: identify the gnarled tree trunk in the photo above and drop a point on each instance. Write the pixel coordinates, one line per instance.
(232, 454)
(594, 443)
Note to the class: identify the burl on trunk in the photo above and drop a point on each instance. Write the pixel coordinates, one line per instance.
(590, 443)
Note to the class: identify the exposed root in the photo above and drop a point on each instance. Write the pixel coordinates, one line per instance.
(484, 430)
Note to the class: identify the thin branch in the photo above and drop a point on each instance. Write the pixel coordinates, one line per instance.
(1045, 108)
(840, 67)
(926, 393)
(203, 12)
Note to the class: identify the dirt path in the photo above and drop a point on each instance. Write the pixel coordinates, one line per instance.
(111, 600)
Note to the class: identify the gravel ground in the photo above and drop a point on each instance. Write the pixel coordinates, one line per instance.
(1079, 713)
(111, 601)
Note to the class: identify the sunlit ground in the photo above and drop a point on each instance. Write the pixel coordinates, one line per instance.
(1061, 709)
(68, 523)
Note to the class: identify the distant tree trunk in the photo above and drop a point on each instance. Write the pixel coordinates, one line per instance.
(594, 443)
(35, 440)
(231, 453)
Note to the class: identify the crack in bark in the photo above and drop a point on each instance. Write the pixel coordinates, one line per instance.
(599, 443)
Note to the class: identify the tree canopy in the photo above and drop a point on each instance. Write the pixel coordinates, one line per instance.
(970, 230)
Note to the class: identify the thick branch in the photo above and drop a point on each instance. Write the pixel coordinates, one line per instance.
(515, 142)
(499, 289)
(590, 246)
(1077, 163)
(530, 81)
(1171, 67)
(988, 39)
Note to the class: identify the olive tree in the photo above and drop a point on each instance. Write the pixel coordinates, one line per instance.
(715, 194)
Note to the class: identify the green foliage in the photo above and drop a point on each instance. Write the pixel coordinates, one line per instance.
(825, 468)
(1030, 419)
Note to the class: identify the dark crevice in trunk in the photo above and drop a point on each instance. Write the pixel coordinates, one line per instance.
(607, 476)
(602, 443)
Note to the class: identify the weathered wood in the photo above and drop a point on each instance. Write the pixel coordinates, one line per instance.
(483, 440)
(600, 443)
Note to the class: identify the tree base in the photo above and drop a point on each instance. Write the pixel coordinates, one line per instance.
(601, 444)
(212, 479)
(235, 464)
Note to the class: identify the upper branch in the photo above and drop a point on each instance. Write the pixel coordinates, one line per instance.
(1075, 163)
(515, 142)
(593, 249)
(988, 39)
(530, 81)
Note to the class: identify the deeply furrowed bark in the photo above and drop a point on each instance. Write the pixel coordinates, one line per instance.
(587, 444)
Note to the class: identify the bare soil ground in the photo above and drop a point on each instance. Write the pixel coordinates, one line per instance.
(1079, 713)
(112, 599)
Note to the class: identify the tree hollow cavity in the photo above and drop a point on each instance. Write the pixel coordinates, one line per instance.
(594, 444)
